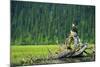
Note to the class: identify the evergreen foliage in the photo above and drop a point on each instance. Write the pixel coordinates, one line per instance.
(37, 23)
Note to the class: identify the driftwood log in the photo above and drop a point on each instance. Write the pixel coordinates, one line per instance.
(66, 53)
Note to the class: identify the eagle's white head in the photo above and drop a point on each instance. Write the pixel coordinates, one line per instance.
(73, 25)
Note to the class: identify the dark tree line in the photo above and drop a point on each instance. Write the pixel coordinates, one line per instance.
(46, 23)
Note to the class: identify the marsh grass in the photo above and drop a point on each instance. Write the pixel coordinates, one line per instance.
(33, 54)
(19, 53)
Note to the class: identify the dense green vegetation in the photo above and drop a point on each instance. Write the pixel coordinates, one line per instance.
(46, 23)
(24, 54)
(37, 28)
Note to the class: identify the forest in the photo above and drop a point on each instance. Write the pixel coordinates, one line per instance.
(46, 23)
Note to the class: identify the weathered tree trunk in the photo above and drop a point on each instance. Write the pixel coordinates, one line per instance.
(67, 53)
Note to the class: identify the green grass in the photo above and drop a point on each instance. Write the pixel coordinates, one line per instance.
(35, 51)
(20, 52)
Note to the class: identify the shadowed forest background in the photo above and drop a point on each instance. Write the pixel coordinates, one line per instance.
(45, 23)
